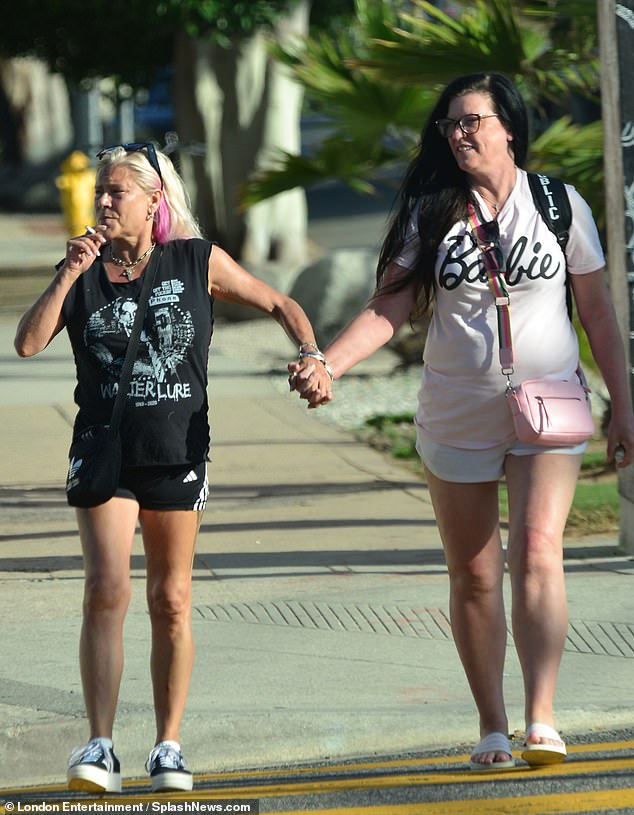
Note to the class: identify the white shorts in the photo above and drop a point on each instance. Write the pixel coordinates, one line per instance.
(467, 466)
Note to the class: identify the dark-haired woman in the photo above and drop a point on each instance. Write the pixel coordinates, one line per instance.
(472, 151)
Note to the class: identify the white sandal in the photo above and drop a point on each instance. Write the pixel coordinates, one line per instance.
(493, 743)
(539, 755)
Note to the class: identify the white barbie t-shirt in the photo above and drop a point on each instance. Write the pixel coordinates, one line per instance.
(461, 400)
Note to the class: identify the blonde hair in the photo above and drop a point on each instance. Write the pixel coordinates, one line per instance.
(174, 218)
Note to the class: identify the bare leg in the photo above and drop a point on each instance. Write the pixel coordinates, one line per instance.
(541, 489)
(106, 533)
(169, 538)
(468, 520)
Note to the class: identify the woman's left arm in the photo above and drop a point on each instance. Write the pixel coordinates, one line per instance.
(230, 282)
(597, 316)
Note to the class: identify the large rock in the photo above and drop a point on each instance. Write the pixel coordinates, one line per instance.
(332, 290)
(277, 275)
(409, 341)
(335, 288)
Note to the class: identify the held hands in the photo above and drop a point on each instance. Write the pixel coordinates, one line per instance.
(310, 380)
(311, 376)
(82, 251)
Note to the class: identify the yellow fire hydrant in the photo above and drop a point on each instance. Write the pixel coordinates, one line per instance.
(77, 192)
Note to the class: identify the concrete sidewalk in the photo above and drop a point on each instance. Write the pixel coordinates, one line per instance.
(320, 593)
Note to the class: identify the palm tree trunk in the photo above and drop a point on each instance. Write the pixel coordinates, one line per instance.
(244, 105)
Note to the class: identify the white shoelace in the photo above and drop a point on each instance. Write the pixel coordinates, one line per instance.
(166, 757)
(90, 753)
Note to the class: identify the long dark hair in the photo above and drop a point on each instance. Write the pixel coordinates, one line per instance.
(434, 180)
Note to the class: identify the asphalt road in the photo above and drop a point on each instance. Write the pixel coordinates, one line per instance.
(597, 778)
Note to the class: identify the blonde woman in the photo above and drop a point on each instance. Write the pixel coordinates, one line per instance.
(142, 207)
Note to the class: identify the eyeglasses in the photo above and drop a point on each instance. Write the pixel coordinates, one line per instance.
(138, 148)
(469, 124)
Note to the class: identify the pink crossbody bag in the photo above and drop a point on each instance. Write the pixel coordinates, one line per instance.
(548, 412)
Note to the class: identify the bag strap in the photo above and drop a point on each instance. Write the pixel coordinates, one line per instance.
(503, 305)
(501, 295)
(133, 344)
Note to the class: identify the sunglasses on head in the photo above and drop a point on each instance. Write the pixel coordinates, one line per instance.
(150, 152)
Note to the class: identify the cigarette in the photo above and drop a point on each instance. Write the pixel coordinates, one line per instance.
(91, 231)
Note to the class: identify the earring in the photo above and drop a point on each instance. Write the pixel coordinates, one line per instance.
(149, 215)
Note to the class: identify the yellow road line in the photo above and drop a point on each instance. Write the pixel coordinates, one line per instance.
(573, 802)
(410, 762)
(351, 767)
(327, 785)
(286, 784)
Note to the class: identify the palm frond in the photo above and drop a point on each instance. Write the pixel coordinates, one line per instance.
(488, 36)
(574, 153)
(377, 81)
(336, 159)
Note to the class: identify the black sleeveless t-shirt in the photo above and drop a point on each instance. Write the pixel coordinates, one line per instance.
(166, 414)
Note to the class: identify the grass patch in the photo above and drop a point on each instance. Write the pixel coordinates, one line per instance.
(395, 435)
(595, 508)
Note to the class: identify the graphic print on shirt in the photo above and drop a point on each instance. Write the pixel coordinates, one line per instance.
(462, 262)
(165, 339)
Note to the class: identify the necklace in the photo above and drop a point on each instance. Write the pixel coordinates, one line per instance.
(128, 265)
(492, 204)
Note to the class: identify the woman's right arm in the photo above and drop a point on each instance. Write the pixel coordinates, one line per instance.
(370, 329)
(44, 319)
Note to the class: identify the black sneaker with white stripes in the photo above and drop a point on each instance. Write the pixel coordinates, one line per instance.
(94, 767)
(168, 769)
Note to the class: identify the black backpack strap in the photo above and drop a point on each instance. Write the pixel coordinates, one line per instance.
(551, 200)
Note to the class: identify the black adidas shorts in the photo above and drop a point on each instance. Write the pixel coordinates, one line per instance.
(182, 486)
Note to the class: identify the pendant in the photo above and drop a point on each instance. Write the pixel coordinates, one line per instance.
(128, 274)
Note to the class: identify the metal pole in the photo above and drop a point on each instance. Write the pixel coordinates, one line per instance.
(126, 115)
(616, 41)
(87, 119)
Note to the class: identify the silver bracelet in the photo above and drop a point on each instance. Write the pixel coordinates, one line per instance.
(320, 358)
(312, 355)
(309, 345)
